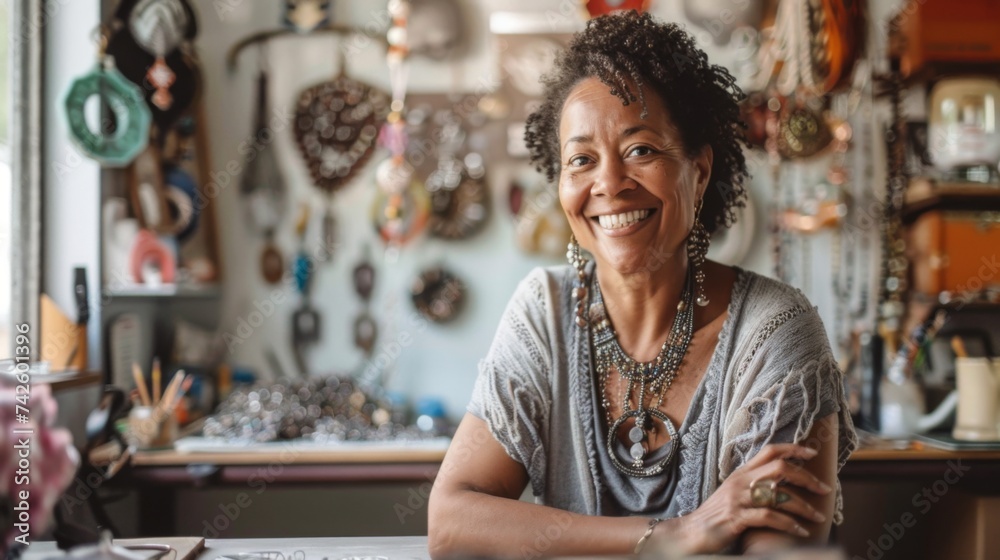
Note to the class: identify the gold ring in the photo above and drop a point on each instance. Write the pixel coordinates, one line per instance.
(764, 493)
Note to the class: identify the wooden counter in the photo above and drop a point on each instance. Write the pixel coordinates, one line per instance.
(169, 457)
(157, 475)
(921, 453)
(297, 455)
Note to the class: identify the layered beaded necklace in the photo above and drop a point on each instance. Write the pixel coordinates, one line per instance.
(653, 379)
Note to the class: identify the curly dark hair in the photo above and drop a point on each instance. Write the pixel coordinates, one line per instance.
(632, 49)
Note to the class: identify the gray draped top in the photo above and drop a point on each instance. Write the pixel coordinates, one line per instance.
(771, 376)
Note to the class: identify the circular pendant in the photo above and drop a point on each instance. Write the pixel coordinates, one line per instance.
(125, 101)
(438, 295)
(398, 218)
(461, 212)
(637, 467)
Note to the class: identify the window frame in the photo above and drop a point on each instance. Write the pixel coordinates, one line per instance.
(26, 78)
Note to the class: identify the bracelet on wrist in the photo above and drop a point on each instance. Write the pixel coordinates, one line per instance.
(645, 536)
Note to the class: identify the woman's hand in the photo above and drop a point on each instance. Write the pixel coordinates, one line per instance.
(729, 512)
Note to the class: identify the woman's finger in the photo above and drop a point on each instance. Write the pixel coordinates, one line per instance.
(783, 471)
(787, 500)
(768, 518)
(775, 451)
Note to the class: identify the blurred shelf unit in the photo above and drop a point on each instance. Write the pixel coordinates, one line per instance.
(165, 291)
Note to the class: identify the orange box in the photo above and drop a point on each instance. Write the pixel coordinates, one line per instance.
(946, 31)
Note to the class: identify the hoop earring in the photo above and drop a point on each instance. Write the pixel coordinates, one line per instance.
(580, 291)
(697, 247)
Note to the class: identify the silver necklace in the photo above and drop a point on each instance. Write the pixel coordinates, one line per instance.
(654, 377)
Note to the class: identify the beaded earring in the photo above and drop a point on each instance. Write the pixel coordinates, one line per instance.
(580, 291)
(697, 247)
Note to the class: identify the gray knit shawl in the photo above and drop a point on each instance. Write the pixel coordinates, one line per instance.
(771, 376)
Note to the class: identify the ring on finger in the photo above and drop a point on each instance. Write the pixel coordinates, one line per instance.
(764, 493)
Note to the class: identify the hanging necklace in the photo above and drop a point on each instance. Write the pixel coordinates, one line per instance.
(653, 379)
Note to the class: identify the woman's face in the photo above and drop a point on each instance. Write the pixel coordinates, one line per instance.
(627, 185)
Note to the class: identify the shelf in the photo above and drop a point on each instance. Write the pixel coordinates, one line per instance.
(925, 194)
(165, 291)
(62, 380)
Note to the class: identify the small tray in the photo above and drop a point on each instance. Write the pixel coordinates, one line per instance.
(948, 443)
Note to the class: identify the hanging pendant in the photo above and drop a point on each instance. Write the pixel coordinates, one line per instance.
(161, 77)
(636, 434)
(306, 15)
(272, 265)
(365, 333)
(125, 102)
(329, 231)
(364, 280)
(336, 128)
(637, 452)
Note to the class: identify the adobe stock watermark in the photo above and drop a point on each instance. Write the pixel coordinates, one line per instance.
(922, 502)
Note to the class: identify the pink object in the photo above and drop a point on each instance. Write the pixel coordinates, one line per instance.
(393, 138)
(52, 459)
(147, 247)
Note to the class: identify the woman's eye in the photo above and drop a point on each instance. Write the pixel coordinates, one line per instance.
(578, 161)
(640, 151)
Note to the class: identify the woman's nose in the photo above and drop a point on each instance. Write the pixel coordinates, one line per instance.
(611, 178)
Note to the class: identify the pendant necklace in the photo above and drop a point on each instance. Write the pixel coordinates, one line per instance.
(645, 380)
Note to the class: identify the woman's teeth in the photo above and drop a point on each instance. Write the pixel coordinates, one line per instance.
(624, 219)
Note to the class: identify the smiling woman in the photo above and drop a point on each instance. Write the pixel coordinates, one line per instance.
(652, 394)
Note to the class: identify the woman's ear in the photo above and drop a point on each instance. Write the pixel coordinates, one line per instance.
(703, 168)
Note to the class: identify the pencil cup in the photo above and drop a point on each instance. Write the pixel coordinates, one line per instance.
(978, 399)
(150, 427)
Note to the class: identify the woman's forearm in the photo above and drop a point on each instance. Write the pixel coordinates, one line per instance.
(468, 522)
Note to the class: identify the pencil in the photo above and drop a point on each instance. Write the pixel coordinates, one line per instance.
(172, 388)
(156, 381)
(140, 384)
(180, 394)
(958, 347)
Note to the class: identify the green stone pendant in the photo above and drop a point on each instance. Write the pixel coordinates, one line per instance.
(125, 102)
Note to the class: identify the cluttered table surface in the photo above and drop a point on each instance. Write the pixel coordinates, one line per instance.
(320, 548)
(337, 548)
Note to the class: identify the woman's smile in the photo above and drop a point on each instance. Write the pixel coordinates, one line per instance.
(624, 222)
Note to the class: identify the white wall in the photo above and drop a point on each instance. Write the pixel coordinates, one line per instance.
(441, 360)
(71, 195)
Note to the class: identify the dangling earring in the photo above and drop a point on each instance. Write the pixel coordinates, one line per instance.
(580, 291)
(697, 246)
